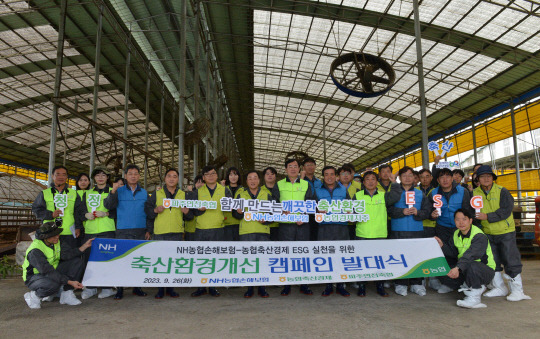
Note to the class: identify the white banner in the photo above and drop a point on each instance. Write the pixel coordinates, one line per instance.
(117, 262)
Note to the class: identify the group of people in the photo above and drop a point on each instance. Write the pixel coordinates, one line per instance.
(477, 245)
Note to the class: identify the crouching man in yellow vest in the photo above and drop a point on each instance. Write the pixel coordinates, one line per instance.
(210, 223)
(167, 223)
(475, 266)
(253, 230)
(499, 226)
(43, 272)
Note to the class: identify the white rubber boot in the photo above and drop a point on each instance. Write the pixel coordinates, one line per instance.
(106, 292)
(69, 298)
(401, 290)
(434, 283)
(418, 289)
(499, 287)
(32, 300)
(516, 289)
(473, 298)
(88, 293)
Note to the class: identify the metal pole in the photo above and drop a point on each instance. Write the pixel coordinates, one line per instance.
(324, 139)
(146, 128)
(96, 87)
(196, 80)
(475, 152)
(173, 137)
(207, 102)
(76, 107)
(516, 151)
(57, 86)
(161, 123)
(423, 115)
(182, 91)
(126, 102)
(215, 121)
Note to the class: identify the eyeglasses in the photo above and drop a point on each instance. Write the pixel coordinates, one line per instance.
(210, 174)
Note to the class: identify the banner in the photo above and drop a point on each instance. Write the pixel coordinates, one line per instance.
(117, 262)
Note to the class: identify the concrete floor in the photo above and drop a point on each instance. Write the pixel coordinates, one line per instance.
(295, 316)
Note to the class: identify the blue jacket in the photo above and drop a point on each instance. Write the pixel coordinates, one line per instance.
(316, 183)
(339, 193)
(408, 223)
(449, 208)
(130, 211)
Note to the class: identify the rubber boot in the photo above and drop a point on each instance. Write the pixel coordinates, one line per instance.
(328, 290)
(380, 289)
(32, 300)
(105, 293)
(249, 292)
(516, 289)
(88, 293)
(286, 290)
(418, 289)
(361, 290)
(119, 293)
(499, 287)
(473, 297)
(213, 292)
(401, 290)
(69, 298)
(200, 291)
(139, 292)
(434, 283)
(305, 290)
(160, 293)
(171, 293)
(262, 292)
(340, 289)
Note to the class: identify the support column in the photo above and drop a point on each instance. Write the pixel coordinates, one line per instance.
(516, 150)
(475, 152)
(96, 88)
(324, 139)
(182, 91)
(147, 118)
(126, 102)
(196, 82)
(423, 115)
(57, 86)
(161, 123)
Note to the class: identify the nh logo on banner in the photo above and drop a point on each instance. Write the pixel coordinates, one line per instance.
(107, 247)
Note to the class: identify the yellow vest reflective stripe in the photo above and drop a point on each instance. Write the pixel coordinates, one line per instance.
(290, 191)
(98, 225)
(376, 226)
(53, 256)
(462, 244)
(492, 203)
(229, 219)
(68, 219)
(171, 220)
(249, 227)
(211, 218)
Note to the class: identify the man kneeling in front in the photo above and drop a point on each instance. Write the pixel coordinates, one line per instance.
(475, 266)
(49, 271)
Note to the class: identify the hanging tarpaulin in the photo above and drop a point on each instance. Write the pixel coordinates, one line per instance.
(117, 262)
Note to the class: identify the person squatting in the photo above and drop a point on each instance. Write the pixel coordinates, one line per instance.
(477, 246)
